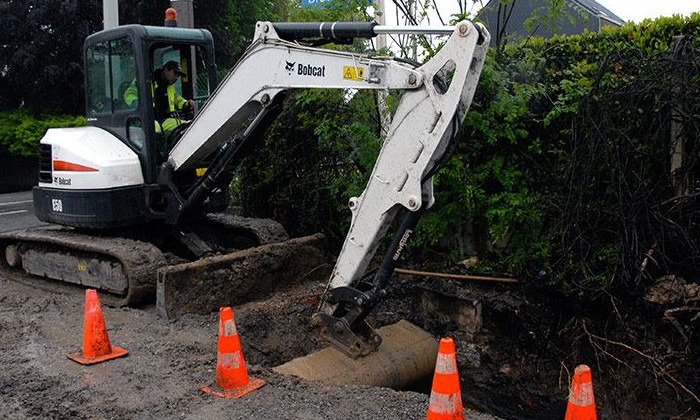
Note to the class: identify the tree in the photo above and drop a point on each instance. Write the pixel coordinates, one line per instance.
(41, 53)
(232, 23)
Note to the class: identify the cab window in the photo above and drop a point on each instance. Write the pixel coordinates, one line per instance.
(111, 69)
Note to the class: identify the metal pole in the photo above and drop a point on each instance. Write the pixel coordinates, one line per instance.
(185, 12)
(415, 30)
(678, 140)
(110, 13)
(384, 114)
(185, 19)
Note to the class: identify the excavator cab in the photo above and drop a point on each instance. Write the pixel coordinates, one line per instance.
(121, 65)
(106, 175)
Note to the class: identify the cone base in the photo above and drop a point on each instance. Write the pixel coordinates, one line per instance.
(576, 412)
(445, 416)
(213, 389)
(116, 352)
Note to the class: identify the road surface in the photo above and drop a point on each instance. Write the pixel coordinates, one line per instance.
(17, 211)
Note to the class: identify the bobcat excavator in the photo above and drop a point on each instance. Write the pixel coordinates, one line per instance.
(123, 198)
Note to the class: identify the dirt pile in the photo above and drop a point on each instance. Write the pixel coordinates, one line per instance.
(168, 362)
(516, 362)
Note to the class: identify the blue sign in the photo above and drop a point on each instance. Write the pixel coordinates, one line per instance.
(314, 2)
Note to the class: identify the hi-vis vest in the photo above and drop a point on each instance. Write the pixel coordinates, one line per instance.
(164, 102)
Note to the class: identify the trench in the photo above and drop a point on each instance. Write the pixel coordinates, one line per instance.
(278, 330)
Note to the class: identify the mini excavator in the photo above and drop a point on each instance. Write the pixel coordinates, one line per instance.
(121, 195)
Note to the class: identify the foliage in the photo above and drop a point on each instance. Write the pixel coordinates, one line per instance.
(568, 160)
(318, 152)
(41, 53)
(315, 157)
(333, 11)
(560, 172)
(232, 23)
(488, 183)
(20, 131)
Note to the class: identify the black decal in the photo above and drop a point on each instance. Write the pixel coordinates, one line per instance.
(290, 66)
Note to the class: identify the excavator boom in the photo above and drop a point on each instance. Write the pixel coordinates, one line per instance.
(272, 65)
(436, 98)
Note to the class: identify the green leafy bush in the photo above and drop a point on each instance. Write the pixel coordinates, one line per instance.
(560, 173)
(566, 155)
(21, 131)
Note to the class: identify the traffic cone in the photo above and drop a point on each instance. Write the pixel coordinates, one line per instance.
(581, 405)
(96, 347)
(445, 396)
(232, 379)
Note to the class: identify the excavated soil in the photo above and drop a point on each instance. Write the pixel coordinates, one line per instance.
(514, 364)
(520, 362)
(169, 360)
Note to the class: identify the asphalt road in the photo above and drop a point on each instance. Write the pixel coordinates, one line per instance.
(17, 211)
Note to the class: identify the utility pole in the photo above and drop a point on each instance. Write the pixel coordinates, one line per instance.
(185, 12)
(381, 20)
(384, 115)
(110, 13)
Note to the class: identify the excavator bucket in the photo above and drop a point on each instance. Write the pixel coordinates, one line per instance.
(129, 272)
(241, 276)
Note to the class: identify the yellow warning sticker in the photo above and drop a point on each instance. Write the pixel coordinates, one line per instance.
(353, 73)
(200, 172)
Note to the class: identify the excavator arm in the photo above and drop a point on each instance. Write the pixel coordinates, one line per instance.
(424, 125)
(436, 97)
(272, 65)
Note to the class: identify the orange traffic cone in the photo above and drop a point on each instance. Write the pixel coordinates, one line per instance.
(445, 396)
(581, 404)
(232, 379)
(96, 347)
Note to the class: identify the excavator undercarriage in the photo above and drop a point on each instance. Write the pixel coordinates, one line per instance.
(126, 268)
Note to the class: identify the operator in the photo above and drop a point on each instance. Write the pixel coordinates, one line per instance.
(166, 98)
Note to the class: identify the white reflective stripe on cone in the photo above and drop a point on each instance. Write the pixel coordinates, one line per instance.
(230, 360)
(229, 328)
(445, 364)
(443, 403)
(584, 397)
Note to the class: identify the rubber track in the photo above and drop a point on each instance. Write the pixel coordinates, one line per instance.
(140, 260)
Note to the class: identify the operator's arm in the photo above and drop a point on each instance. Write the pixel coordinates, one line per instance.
(181, 103)
(131, 95)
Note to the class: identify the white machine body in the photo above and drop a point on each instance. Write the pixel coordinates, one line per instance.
(106, 163)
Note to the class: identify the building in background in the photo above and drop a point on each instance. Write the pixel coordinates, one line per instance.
(525, 18)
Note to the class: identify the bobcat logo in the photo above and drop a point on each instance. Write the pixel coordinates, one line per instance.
(290, 66)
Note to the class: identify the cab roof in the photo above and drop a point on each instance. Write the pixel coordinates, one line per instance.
(154, 33)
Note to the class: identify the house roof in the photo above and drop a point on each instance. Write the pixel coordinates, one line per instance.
(598, 9)
(591, 6)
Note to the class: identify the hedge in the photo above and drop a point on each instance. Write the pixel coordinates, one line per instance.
(21, 131)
